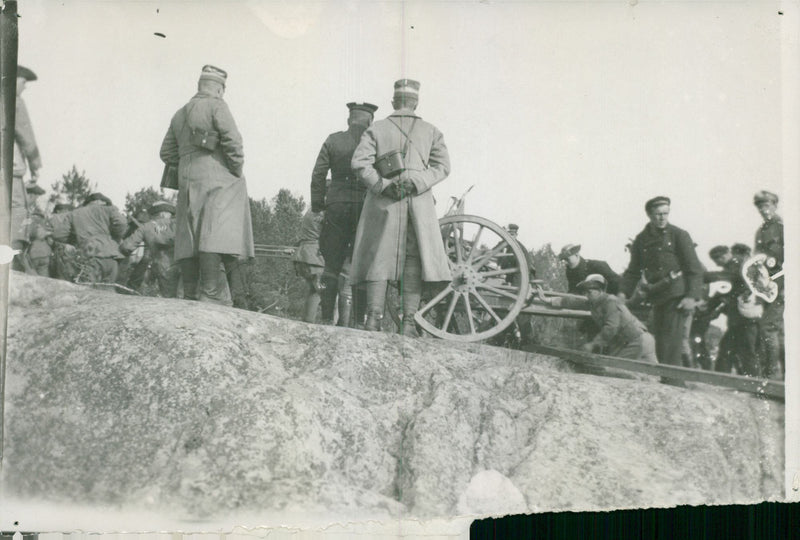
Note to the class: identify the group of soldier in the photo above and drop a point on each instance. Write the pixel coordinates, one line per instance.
(665, 291)
(373, 222)
(87, 243)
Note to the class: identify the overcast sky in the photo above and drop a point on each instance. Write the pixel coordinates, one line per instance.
(565, 116)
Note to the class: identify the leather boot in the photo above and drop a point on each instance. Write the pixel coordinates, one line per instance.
(373, 323)
(345, 308)
(327, 298)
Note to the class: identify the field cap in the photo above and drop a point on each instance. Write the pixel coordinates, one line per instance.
(656, 201)
(213, 73)
(593, 281)
(406, 88)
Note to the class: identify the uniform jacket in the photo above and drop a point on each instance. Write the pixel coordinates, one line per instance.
(618, 326)
(96, 229)
(335, 155)
(213, 212)
(769, 240)
(590, 266)
(158, 236)
(381, 236)
(657, 252)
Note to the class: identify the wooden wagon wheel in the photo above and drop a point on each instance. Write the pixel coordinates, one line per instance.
(489, 286)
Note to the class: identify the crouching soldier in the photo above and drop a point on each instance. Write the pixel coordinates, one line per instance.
(95, 227)
(158, 236)
(621, 334)
(308, 263)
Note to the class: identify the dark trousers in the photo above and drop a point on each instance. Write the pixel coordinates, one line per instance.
(204, 279)
(669, 329)
(738, 348)
(138, 272)
(336, 245)
(772, 339)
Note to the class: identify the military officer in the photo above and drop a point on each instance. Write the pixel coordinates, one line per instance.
(212, 221)
(342, 203)
(662, 250)
(769, 240)
(577, 268)
(399, 160)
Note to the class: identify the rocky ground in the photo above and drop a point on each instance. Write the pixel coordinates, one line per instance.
(201, 411)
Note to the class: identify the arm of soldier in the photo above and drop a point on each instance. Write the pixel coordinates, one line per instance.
(612, 320)
(169, 148)
(23, 135)
(612, 278)
(568, 302)
(318, 177)
(363, 161)
(118, 223)
(229, 138)
(691, 267)
(438, 165)
(132, 241)
(630, 277)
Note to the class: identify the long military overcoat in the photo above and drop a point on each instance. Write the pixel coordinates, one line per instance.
(213, 212)
(380, 245)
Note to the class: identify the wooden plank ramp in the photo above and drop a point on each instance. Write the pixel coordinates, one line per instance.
(763, 387)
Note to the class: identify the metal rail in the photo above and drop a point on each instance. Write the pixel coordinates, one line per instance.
(762, 387)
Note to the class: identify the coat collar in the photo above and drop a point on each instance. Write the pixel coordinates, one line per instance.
(405, 112)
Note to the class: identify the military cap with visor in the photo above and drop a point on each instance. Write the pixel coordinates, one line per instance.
(366, 107)
(406, 88)
(592, 281)
(656, 202)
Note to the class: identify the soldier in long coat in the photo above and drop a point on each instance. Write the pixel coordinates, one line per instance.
(213, 223)
(769, 240)
(26, 157)
(398, 237)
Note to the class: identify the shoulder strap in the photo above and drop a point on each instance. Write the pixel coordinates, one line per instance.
(408, 140)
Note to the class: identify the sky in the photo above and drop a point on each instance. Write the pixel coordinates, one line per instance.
(564, 116)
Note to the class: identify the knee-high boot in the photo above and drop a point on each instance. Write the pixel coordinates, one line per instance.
(376, 299)
(330, 285)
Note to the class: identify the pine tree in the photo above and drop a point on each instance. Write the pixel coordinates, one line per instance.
(73, 188)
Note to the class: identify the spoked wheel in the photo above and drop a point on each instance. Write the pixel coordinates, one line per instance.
(489, 286)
